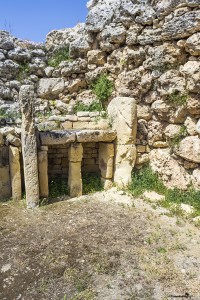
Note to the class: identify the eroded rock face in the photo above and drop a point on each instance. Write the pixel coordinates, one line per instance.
(189, 149)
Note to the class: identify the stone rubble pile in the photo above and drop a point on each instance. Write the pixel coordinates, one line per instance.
(150, 51)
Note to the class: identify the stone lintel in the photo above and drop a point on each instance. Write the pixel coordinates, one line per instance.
(50, 138)
(87, 136)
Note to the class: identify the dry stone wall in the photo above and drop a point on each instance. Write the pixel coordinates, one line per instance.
(150, 51)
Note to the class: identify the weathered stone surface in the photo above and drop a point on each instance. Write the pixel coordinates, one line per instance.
(43, 173)
(15, 173)
(88, 136)
(6, 41)
(196, 178)
(77, 66)
(144, 112)
(193, 104)
(75, 153)
(50, 138)
(29, 146)
(182, 26)
(192, 44)
(123, 112)
(172, 174)
(191, 70)
(124, 163)
(172, 130)
(5, 186)
(50, 87)
(96, 57)
(75, 179)
(106, 163)
(1, 139)
(13, 140)
(189, 148)
(190, 124)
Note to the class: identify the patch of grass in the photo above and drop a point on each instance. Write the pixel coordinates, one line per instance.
(175, 141)
(24, 71)
(177, 98)
(91, 183)
(145, 180)
(94, 106)
(61, 54)
(58, 188)
(102, 88)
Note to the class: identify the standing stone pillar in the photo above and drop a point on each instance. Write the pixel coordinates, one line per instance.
(106, 163)
(43, 171)
(123, 114)
(5, 185)
(29, 146)
(15, 173)
(75, 177)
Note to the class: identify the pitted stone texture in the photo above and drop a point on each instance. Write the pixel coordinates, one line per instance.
(191, 71)
(75, 152)
(50, 138)
(43, 173)
(172, 174)
(75, 179)
(50, 87)
(106, 163)
(15, 173)
(88, 136)
(189, 149)
(192, 44)
(6, 41)
(123, 115)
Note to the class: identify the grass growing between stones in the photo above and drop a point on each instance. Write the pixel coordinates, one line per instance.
(58, 188)
(177, 98)
(91, 183)
(102, 88)
(58, 56)
(146, 180)
(94, 106)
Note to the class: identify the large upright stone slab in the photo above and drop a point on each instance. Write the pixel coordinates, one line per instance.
(75, 177)
(5, 186)
(43, 172)
(29, 146)
(123, 114)
(15, 173)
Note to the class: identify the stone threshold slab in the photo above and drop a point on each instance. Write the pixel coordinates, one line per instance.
(58, 137)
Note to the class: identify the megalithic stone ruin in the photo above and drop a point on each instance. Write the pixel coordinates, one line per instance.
(29, 146)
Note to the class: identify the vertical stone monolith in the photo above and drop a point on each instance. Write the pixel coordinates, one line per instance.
(29, 146)
(106, 163)
(123, 114)
(15, 173)
(5, 184)
(75, 177)
(43, 171)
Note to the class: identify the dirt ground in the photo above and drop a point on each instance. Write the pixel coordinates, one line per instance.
(104, 246)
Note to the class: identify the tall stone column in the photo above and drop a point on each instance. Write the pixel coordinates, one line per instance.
(15, 173)
(123, 114)
(5, 184)
(29, 146)
(43, 171)
(75, 177)
(106, 163)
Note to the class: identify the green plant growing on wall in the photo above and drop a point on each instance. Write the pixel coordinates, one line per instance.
(58, 188)
(91, 183)
(24, 71)
(175, 141)
(94, 106)
(61, 54)
(177, 98)
(102, 88)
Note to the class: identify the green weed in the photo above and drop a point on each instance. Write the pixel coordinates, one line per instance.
(57, 188)
(175, 141)
(24, 71)
(58, 56)
(177, 98)
(94, 106)
(91, 183)
(102, 88)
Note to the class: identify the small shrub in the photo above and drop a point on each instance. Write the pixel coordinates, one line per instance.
(145, 180)
(175, 141)
(177, 98)
(94, 106)
(57, 188)
(58, 56)
(102, 88)
(24, 71)
(91, 183)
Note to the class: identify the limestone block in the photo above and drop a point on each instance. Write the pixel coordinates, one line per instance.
(107, 183)
(123, 114)
(56, 137)
(5, 186)
(43, 173)
(189, 148)
(50, 87)
(75, 152)
(1, 139)
(106, 155)
(15, 173)
(75, 179)
(96, 57)
(13, 140)
(124, 163)
(66, 125)
(84, 136)
(192, 44)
